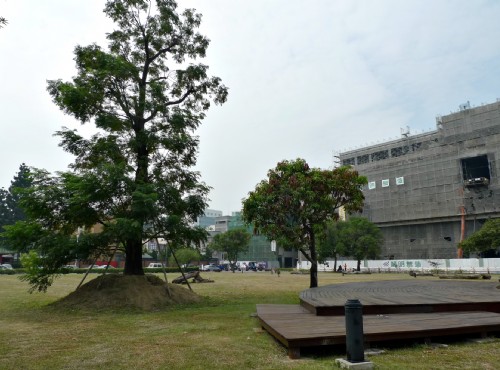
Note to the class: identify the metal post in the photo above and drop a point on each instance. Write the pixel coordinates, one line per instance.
(354, 330)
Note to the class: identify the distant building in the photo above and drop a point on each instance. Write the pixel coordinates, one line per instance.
(208, 218)
(259, 249)
(429, 191)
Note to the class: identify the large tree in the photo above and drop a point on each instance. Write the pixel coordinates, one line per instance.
(484, 241)
(359, 238)
(232, 242)
(10, 210)
(146, 95)
(296, 201)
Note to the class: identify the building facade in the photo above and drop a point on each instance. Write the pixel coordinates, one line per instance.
(259, 249)
(428, 191)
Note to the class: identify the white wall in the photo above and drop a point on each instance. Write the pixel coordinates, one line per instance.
(467, 265)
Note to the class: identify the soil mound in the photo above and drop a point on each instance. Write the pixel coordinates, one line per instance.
(145, 293)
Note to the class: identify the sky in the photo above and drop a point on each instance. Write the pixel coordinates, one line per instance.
(306, 79)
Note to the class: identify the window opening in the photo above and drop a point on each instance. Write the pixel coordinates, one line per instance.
(476, 171)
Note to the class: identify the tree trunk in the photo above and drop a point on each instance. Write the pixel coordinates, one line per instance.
(359, 266)
(314, 261)
(133, 258)
(314, 275)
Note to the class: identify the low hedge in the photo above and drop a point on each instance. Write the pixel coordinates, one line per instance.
(120, 270)
(7, 272)
(102, 270)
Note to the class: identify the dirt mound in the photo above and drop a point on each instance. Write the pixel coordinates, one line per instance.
(145, 293)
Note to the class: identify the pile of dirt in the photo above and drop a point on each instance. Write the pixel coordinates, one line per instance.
(114, 291)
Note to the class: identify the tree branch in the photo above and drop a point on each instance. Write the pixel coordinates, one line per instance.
(180, 100)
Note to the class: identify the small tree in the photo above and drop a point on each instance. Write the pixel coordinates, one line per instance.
(329, 245)
(231, 242)
(3, 22)
(296, 202)
(10, 208)
(485, 240)
(359, 238)
(186, 255)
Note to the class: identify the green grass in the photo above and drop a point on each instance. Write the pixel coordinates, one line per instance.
(218, 333)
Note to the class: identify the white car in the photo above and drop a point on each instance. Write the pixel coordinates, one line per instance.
(154, 265)
(6, 266)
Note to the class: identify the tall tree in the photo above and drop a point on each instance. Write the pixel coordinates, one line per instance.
(232, 242)
(146, 95)
(10, 210)
(484, 241)
(359, 238)
(296, 201)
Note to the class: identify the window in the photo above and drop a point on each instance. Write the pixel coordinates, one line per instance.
(362, 159)
(377, 156)
(399, 151)
(476, 171)
(349, 161)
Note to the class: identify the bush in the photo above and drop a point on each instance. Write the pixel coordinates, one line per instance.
(120, 270)
(7, 272)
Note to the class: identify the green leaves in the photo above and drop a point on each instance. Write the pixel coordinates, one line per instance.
(130, 182)
(296, 200)
(10, 207)
(485, 239)
(232, 242)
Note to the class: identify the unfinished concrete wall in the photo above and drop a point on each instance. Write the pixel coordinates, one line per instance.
(419, 186)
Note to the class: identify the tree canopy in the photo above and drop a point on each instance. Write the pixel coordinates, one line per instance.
(357, 237)
(146, 95)
(329, 245)
(10, 210)
(296, 201)
(232, 242)
(187, 255)
(486, 239)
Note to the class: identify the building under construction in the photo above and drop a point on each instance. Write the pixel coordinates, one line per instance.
(429, 191)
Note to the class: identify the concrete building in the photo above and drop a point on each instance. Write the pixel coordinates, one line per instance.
(208, 218)
(428, 191)
(259, 250)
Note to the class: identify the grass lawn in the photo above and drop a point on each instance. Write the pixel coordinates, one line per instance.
(219, 333)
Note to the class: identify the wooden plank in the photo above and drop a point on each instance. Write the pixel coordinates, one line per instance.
(296, 327)
(404, 296)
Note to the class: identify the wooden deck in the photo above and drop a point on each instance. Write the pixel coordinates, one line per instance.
(422, 312)
(406, 296)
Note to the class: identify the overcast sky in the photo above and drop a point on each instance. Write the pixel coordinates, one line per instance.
(306, 78)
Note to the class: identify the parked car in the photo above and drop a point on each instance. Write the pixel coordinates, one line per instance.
(70, 267)
(155, 265)
(256, 266)
(212, 268)
(7, 266)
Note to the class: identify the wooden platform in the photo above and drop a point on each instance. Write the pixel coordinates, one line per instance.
(396, 310)
(406, 296)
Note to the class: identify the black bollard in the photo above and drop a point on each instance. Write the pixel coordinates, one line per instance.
(354, 331)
